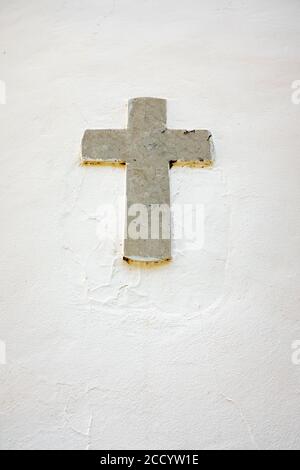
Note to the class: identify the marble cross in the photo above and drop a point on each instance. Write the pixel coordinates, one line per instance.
(148, 149)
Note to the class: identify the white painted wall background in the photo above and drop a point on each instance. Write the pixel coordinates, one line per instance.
(193, 355)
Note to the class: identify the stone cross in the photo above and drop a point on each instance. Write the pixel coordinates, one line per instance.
(148, 149)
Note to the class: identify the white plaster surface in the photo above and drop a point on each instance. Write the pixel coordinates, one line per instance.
(196, 354)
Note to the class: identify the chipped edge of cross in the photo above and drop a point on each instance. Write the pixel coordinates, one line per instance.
(101, 163)
(173, 164)
(179, 164)
(146, 264)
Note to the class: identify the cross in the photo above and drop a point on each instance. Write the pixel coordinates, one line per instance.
(148, 149)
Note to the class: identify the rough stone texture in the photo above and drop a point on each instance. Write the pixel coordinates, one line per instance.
(194, 354)
(148, 149)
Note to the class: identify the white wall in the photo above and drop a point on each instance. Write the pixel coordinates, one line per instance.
(196, 354)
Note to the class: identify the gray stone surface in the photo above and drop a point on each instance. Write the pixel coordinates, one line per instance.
(148, 149)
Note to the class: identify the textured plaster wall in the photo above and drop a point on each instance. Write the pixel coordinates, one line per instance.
(196, 354)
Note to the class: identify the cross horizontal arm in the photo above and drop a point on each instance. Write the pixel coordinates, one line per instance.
(105, 146)
(184, 147)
